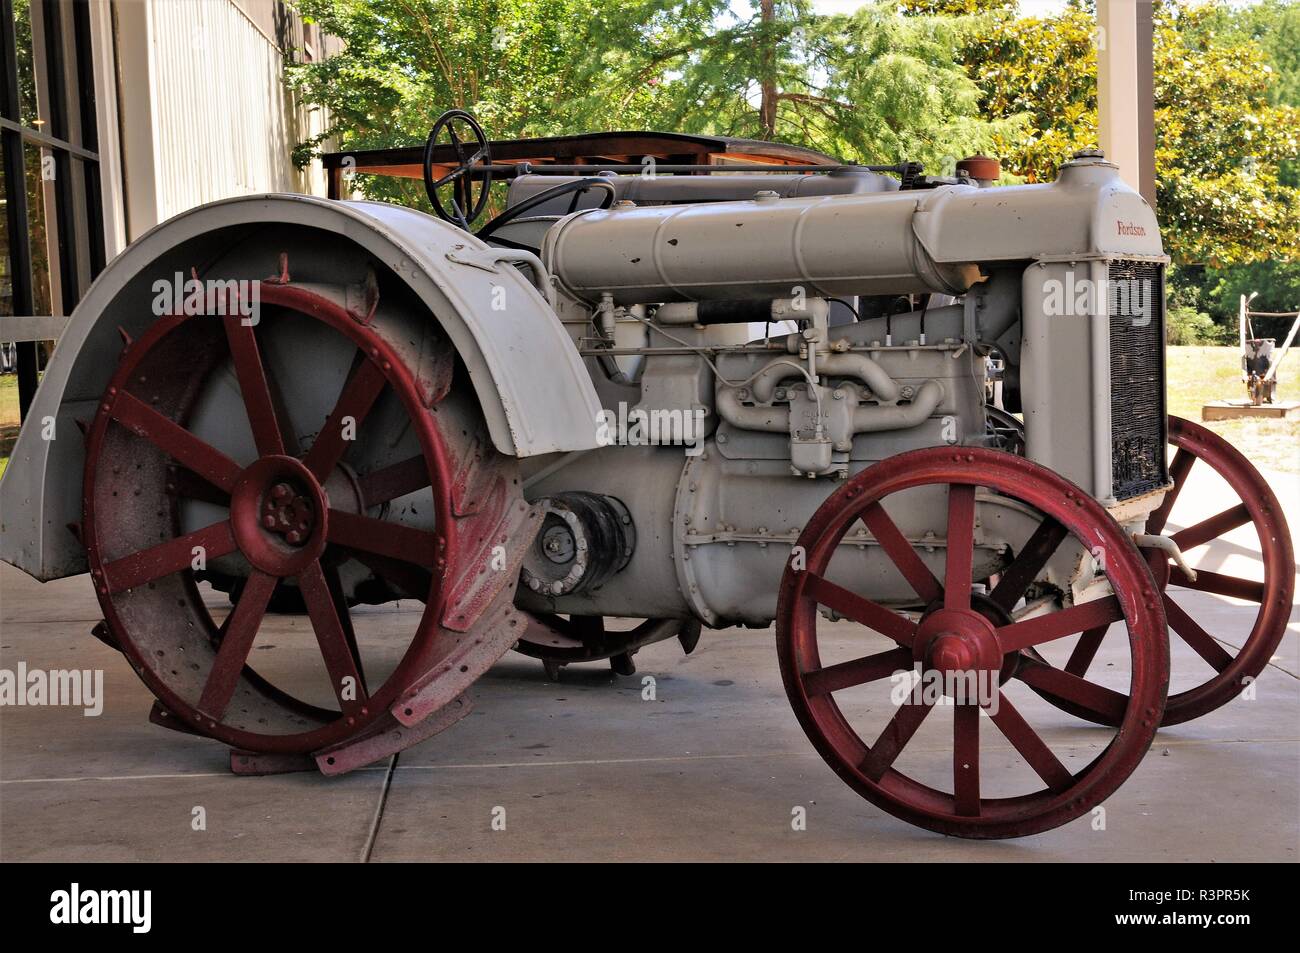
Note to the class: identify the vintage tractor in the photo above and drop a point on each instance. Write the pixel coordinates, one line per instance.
(646, 397)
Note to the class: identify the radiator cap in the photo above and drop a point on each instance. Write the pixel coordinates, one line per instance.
(981, 168)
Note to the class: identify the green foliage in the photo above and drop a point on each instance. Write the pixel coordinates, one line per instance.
(873, 86)
(928, 80)
(27, 108)
(898, 90)
(1188, 326)
(956, 8)
(1275, 26)
(1218, 291)
(1220, 143)
(1042, 71)
(1221, 140)
(523, 67)
(1278, 284)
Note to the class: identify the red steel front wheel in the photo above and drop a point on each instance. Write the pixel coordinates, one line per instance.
(1010, 779)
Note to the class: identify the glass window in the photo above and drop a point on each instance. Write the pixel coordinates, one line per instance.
(29, 114)
(38, 165)
(6, 284)
(49, 169)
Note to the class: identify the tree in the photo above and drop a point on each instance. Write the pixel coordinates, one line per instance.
(957, 8)
(1277, 284)
(873, 86)
(1221, 140)
(1221, 143)
(898, 90)
(1275, 26)
(524, 67)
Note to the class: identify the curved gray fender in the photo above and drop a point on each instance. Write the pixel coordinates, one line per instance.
(535, 393)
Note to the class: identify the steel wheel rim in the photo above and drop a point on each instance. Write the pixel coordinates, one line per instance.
(382, 366)
(839, 743)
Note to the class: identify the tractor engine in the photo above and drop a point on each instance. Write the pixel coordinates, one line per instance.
(787, 343)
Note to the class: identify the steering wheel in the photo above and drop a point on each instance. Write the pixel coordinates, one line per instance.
(576, 186)
(465, 205)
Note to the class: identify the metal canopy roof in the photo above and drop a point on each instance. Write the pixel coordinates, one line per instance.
(595, 147)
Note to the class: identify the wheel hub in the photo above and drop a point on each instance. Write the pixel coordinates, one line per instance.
(287, 511)
(278, 513)
(961, 647)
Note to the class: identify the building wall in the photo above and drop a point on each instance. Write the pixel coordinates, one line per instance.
(205, 113)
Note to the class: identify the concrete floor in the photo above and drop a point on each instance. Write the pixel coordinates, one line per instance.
(586, 769)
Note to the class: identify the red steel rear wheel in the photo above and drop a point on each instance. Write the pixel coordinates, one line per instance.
(288, 513)
(965, 633)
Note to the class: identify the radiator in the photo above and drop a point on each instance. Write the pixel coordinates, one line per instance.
(1136, 305)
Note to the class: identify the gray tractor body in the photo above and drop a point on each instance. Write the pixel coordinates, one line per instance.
(684, 368)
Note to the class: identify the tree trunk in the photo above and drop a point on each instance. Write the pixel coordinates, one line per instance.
(767, 68)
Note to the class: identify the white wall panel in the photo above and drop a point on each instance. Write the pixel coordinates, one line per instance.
(220, 120)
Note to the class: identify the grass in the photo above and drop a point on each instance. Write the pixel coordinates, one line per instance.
(1200, 374)
(1197, 375)
(8, 417)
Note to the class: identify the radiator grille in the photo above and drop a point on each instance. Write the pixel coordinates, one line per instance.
(1136, 305)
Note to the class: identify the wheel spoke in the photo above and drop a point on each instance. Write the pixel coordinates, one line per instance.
(1204, 644)
(166, 558)
(237, 635)
(1057, 625)
(330, 635)
(899, 550)
(1178, 469)
(893, 739)
(862, 611)
(412, 580)
(833, 678)
(1031, 747)
(416, 546)
(464, 186)
(1219, 584)
(966, 759)
(335, 585)
(1073, 688)
(390, 482)
(171, 438)
(355, 400)
(1029, 562)
(1212, 528)
(1085, 650)
(961, 546)
(187, 485)
(253, 386)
